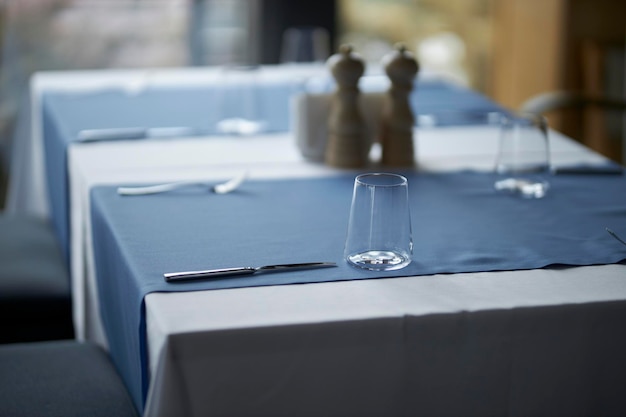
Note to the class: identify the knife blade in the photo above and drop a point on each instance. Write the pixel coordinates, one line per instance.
(128, 133)
(608, 169)
(243, 270)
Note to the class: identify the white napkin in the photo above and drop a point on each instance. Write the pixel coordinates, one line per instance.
(310, 120)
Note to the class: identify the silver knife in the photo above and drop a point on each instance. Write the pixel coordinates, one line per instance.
(127, 133)
(588, 170)
(243, 270)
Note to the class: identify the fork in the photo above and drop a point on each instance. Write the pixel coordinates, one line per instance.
(221, 188)
(612, 233)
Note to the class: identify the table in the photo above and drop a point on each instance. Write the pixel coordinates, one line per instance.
(194, 334)
(39, 183)
(66, 102)
(482, 341)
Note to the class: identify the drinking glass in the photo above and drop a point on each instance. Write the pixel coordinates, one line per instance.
(305, 44)
(379, 230)
(237, 101)
(447, 118)
(523, 159)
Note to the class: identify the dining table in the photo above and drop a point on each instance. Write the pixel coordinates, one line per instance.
(510, 306)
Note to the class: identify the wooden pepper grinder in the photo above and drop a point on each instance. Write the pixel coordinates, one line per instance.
(398, 119)
(348, 145)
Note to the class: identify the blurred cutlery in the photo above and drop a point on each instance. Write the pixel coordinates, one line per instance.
(612, 233)
(607, 169)
(126, 133)
(222, 188)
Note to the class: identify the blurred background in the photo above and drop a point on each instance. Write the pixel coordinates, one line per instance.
(508, 50)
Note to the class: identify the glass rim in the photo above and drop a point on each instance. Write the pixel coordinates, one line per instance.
(400, 179)
(531, 119)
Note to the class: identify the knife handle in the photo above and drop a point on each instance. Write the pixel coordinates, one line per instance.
(588, 170)
(209, 273)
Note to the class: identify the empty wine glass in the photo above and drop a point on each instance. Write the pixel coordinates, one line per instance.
(523, 159)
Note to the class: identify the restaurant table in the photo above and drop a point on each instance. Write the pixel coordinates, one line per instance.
(488, 343)
(166, 103)
(65, 104)
(545, 341)
(61, 104)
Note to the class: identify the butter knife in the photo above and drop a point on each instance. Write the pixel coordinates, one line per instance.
(243, 270)
(127, 133)
(612, 169)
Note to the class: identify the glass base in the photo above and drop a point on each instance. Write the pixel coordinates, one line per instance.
(523, 187)
(377, 260)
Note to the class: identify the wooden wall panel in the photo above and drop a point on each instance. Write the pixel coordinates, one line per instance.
(528, 53)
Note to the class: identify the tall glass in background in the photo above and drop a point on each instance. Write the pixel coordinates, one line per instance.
(523, 159)
(379, 231)
(238, 107)
(305, 44)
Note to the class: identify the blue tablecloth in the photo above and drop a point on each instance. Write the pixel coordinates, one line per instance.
(459, 225)
(66, 114)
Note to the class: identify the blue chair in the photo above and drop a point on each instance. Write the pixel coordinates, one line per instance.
(35, 295)
(60, 378)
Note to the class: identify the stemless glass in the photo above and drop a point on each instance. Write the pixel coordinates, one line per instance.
(523, 159)
(379, 231)
(305, 44)
(238, 101)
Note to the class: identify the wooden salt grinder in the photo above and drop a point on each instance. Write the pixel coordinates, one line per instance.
(348, 145)
(398, 119)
